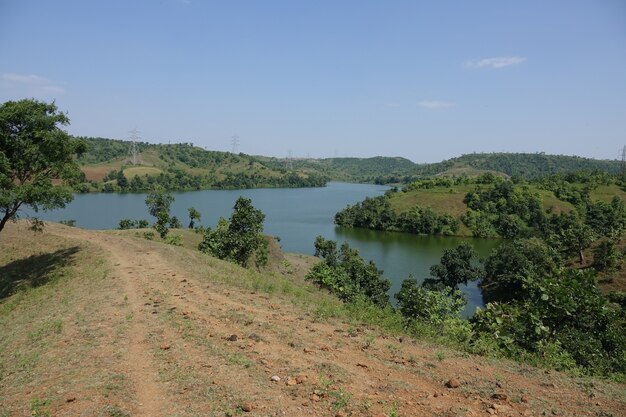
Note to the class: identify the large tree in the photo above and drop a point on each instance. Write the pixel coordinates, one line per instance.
(35, 153)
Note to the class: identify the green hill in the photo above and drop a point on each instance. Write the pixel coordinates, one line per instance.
(183, 166)
(349, 169)
(524, 165)
(108, 166)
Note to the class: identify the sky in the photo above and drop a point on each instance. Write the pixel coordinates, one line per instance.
(425, 80)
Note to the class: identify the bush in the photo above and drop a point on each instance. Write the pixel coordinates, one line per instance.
(240, 237)
(345, 274)
(174, 239)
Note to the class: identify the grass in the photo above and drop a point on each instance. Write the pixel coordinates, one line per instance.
(607, 192)
(141, 171)
(441, 200)
(45, 303)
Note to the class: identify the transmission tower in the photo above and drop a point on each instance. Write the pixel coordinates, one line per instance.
(289, 161)
(234, 141)
(134, 137)
(623, 162)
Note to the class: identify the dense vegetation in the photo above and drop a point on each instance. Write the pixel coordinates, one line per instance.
(183, 166)
(522, 165)
(376, 213)
(540, 284)
(539, 309)
(107, 167)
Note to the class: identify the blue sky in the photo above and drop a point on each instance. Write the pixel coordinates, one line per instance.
(427, 80)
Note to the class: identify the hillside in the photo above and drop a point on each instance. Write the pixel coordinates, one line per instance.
(108, 166)
(107, 324)
(349, 169)
(525, 165)
(183, 166)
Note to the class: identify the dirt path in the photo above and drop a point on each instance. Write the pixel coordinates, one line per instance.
(199, 347)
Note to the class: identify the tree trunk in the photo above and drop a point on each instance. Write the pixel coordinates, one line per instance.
(582, 257)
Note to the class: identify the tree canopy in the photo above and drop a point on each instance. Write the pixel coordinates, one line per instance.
(34, 152)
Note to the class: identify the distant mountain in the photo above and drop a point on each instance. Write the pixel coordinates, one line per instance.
(526, 165)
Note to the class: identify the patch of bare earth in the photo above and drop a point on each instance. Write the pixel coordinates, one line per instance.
(186, 339)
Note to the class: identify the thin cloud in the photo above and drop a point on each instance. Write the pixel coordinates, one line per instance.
(24, 78)
(34, 84)
(435, 104)
(495, 63)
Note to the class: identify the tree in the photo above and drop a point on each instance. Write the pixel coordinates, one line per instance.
(456, 266)
(432, 306)
(510, 267)
(193, 216)
(240, 237)
(34, 151)
(158, 202)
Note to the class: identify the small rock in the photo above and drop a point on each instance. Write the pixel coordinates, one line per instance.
(499, 396)
(275, 378)
(232, 338)
(291, 382)
(362, 365)
(524, 398)
(164, 346)
(341, 413)
(247, 407)
(70, 399)
(315, 397)
(492, 411)
(307, 350)
(453, 383)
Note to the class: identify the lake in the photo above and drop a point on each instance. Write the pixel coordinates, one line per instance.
(296, 216)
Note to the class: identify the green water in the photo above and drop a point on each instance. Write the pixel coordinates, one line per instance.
(296, 216)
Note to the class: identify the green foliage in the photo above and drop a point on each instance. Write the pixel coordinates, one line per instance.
(193, 216)
(175, 223)
(431, 306)
(376, 213)
(240, 237)
(174, 239)
(34, 150)
(345, 274)
(186, 167)
(126, 224)
(564, 315)
(456, 267)
(507, 208)
(607, 257)
(521, 165)
(512, 264)
(158, 202)
(569, 234)
(133, 224)
(70, 222)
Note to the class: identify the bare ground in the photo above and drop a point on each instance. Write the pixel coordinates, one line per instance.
(134, 327)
